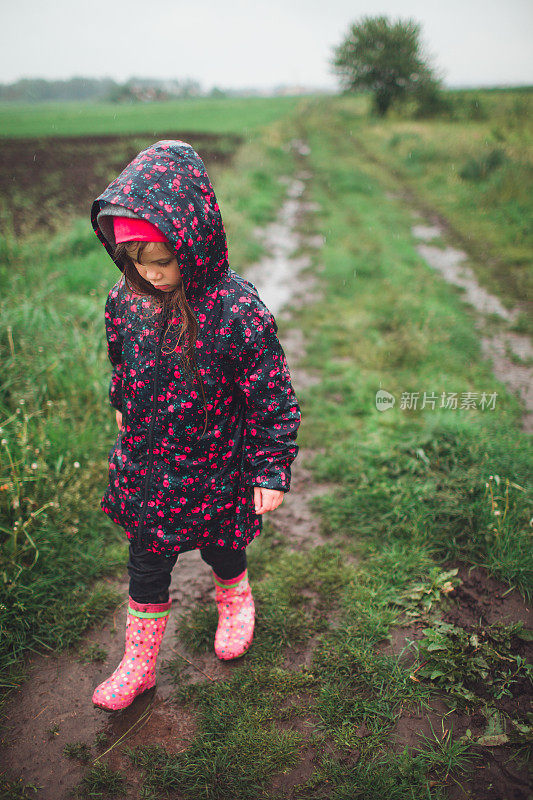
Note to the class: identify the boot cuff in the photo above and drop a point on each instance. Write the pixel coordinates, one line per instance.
(149, 609)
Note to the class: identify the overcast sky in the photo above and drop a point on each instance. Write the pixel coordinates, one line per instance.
(242, 43)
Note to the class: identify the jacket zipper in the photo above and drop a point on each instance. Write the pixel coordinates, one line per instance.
(142, 520)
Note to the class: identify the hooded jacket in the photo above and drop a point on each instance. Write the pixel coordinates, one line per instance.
(173, 486)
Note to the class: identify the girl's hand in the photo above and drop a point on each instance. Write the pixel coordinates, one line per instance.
(118, 415)
(266, 499)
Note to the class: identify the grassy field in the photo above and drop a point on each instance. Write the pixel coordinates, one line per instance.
(477, 172)
(216, 115)
(415, 491)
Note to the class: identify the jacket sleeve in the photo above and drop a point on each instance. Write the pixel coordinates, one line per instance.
(114, 349)
(272, 411)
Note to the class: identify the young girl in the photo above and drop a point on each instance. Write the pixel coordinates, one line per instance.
(207, 413)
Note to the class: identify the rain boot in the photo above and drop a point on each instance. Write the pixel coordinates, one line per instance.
(145, 626)
(236, 616)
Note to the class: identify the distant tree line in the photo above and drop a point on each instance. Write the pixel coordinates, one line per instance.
(39, 90)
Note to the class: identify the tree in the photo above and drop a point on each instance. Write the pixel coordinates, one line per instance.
(386, 59)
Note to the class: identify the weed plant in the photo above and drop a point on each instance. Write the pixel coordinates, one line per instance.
(457, 659)
(102, 781)
(80, 751)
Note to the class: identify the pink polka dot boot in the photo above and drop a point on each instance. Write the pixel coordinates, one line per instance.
(236, 616)
(145, 626)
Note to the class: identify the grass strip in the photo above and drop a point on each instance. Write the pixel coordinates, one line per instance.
(476, 173)
(242, 115)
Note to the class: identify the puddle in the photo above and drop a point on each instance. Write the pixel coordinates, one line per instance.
(426, 232)
(450, 263)
(504, 348)
(276, 274)
(278, 277)
(518, 377)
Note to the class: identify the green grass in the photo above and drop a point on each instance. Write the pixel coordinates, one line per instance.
(234, 761)
(213, 115)
(409, 475)
(476, 172)
(16, 790)
(79, 751)
(101, 781)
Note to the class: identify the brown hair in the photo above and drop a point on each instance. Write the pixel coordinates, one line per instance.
(175, 303)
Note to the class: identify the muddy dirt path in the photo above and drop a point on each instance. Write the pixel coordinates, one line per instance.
(511, 353)
(54, 708)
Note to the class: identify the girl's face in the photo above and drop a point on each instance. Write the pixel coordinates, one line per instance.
(159, 267)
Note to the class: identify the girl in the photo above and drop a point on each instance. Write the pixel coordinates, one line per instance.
(207, 413)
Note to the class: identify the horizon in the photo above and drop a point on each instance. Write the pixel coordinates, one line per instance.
(274, 88)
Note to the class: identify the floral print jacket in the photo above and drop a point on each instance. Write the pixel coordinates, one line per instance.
(174, 486)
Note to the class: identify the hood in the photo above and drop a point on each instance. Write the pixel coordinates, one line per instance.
(167, 184)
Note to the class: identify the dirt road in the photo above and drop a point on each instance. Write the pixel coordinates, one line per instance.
(54, 709)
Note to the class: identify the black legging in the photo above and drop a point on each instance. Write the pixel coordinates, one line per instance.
(150, 573)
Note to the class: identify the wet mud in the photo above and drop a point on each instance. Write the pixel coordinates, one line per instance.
(478, 601)
(44, 179)
(54, 709)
